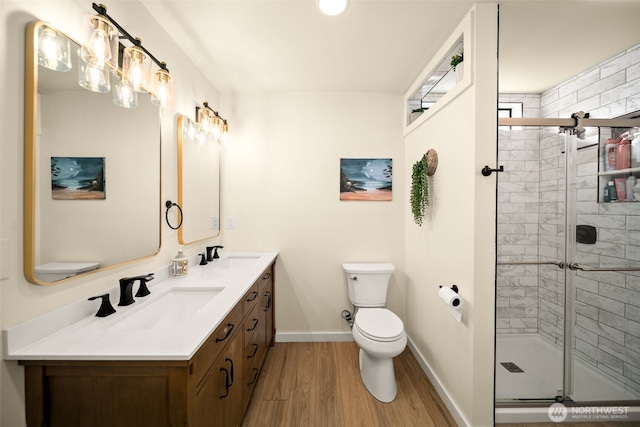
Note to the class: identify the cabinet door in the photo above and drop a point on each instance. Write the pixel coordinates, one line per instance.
(219, 400)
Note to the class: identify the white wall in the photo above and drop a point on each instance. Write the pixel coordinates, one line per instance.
(281, 183)
(21, 300)
(455, 244)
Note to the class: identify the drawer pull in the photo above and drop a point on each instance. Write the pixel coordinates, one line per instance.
(227, 332)
(267, 306)
(255, 325)
(266, 276)
(252, 296)
(255, 350)
(255, 376)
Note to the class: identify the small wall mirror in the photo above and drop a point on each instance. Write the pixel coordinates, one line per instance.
(92, 171)
(198, 183)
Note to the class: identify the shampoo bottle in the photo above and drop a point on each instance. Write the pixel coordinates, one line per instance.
(611, 191)
(180, 265)
(610, 150)
(623, 157)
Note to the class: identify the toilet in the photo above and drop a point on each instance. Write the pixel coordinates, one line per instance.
(55, 271)
(378, 332)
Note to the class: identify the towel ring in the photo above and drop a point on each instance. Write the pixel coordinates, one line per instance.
(169, 204)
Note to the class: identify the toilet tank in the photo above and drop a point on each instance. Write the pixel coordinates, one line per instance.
(368, 283)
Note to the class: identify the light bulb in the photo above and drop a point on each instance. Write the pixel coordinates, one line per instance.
(53, 50)
(123, 94)
(92, 78)
(101, 46)
(136, 67)
(162, 95)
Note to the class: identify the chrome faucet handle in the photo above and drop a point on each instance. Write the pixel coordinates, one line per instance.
(106, 308)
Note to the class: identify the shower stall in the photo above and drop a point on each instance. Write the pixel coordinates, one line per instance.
(568, 271)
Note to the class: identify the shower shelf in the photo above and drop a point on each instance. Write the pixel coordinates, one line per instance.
(618, 172)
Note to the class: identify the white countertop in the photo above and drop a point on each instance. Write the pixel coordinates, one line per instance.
(74, 333)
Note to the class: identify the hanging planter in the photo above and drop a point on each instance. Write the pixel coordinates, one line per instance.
(422, 170)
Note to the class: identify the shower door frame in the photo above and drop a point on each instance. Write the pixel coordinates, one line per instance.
(569, 126)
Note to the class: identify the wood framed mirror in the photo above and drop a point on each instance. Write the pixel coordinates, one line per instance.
(66, 129)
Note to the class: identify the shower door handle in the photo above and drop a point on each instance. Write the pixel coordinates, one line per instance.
(559, 264)
(575, 266)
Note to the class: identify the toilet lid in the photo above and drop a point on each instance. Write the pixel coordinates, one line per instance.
(379, 324)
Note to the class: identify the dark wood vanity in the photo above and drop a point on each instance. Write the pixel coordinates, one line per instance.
(213, 388)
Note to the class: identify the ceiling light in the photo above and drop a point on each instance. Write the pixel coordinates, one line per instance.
(332, 7)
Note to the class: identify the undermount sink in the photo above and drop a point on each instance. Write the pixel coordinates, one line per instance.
(236, 261)
(169, 310)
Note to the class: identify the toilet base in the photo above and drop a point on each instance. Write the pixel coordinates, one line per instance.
(378, 377)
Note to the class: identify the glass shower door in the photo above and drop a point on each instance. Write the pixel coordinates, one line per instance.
(603, 274)
(530, 282)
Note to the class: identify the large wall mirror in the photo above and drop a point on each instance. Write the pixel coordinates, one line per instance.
(92, 170)
(198, 183)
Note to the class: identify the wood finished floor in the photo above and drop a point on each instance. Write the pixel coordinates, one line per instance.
(319, 385)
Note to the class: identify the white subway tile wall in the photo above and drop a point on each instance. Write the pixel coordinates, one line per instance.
(531, 207)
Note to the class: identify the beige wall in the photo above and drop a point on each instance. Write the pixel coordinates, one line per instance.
(455, 243)
(281, 183)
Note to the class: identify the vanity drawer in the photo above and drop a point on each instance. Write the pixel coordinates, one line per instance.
(250, 299)
(215, 343)
(265, 278)
(252, 324)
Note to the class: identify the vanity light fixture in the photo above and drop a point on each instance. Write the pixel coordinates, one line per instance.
(100, 53)
(211, 124)
(332, 7)
(54, 51)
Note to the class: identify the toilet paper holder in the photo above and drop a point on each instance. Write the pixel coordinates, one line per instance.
(454, 288)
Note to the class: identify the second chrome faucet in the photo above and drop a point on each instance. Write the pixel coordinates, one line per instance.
(126, 288)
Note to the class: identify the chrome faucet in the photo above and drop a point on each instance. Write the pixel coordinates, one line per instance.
(126, 288)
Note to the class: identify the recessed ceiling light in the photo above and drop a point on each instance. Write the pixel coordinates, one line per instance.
(332, 7)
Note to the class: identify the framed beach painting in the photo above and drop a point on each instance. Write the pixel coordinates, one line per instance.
(77, 178)
(366, 179)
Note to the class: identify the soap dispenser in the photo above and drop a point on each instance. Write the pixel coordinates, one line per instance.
(180, 265)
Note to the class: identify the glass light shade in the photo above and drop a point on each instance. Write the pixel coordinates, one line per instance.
(136, 67)
(217, 127)
(100, 48)
(123, 94)
(224, 135)
(54, 51)
(205, 118)
(162, 89)
(332, 7)
(189, 130)
(93, 78)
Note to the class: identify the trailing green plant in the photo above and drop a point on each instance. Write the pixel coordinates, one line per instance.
(419, 190)
(457, 59)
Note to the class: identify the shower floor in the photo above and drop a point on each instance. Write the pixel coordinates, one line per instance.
(541, 362)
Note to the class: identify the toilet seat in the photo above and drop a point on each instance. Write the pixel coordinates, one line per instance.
(379, 324)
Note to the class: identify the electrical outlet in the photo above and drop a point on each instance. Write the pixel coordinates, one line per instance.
(231, 222)
(215, 223)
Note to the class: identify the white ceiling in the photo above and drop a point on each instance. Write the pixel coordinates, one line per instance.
(382, 45)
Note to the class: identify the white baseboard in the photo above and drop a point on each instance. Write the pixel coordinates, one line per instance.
(313, 336)
(442, 392)
(347, 336)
